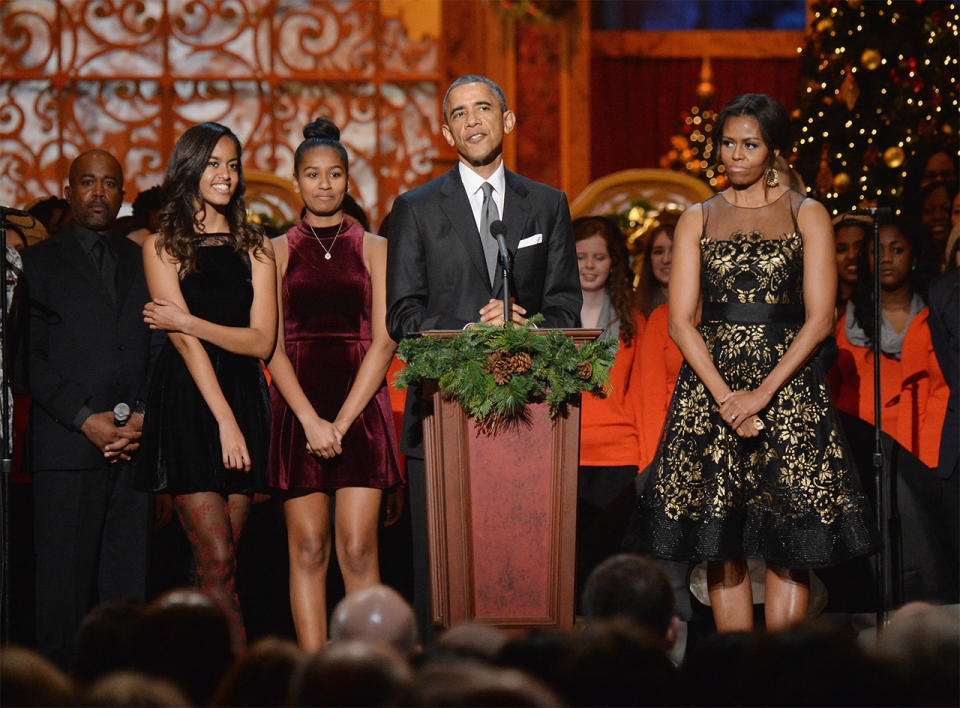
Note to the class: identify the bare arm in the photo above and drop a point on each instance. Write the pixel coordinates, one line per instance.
(256, 340)
(683, 299)
(164, 283)
(376, 361)
(819, 297)
(322, 438)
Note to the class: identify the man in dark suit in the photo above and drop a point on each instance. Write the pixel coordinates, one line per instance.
(442, 261)
(88, 350)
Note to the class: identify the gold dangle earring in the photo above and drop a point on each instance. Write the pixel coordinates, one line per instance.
(773, 179)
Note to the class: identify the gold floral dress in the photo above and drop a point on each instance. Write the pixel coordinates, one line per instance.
(790, 495)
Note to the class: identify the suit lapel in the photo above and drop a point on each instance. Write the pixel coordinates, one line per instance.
(516, 213)
(456, 206)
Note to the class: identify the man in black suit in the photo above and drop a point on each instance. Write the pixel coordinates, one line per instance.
(88, 350)
(442, 262)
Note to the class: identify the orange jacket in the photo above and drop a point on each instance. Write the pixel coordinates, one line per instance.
(914, 392)
(609, 427)
(660, 362)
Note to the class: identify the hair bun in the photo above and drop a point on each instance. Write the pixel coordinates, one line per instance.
(322, 128)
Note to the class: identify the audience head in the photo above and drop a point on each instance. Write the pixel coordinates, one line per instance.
(936, 207)
(849, 234)
(656, 263)
(147, 208)
(28, 679)
(754, 113)
(469, 640)
(106, 640)
(95, 190)
(537, 653)
(921, 645)
(617, 663)
(127, 688)
(469, 683)
(475, 119)
(633, 587)
(52, 212)
(604, 263)
(184, 636)
(376, 614)
(261, 676)
(353, 673)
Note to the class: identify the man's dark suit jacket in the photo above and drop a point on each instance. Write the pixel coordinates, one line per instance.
(85, 348)
(944, 300)
(436, 272)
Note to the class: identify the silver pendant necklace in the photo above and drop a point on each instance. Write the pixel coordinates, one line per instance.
(327, 251)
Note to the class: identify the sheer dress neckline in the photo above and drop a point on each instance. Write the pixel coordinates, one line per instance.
(762, 206)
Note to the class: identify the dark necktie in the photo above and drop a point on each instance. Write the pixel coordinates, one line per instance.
(105, 265)
(488, 214)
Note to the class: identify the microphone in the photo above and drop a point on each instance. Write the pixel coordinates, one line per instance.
(121, 414)
(878, 212)
(10, 211)
(499, 231)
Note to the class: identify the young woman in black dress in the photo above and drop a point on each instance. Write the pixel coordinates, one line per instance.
(212, 279)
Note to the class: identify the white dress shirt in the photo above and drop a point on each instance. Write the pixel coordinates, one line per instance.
(472, 183)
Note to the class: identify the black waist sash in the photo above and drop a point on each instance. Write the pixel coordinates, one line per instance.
(753, 313)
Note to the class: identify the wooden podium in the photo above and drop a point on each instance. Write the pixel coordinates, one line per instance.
(501, 513)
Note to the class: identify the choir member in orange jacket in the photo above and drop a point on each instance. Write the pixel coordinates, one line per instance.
(913, 391)
(659, 364)
(609, 430)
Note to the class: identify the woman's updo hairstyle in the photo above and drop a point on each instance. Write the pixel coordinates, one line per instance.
(770, 115)
(317, 133)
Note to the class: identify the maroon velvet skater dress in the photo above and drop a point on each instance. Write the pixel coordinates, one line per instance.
(327, 305)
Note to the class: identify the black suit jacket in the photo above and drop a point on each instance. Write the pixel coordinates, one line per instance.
(436, 272)
(85, 347)
(944, 303)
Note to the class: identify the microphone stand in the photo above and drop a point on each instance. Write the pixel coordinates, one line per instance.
(6, 447)
(498, 231)
(888, 521)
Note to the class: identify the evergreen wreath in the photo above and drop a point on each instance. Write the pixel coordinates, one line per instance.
(494, 372)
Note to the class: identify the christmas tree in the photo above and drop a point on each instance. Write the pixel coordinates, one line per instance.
(879, 79)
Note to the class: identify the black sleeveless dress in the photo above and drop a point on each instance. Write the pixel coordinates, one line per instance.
(790, 495)
(180, 449)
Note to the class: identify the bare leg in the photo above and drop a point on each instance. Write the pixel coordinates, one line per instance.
(358, 517)
(787, 597)
(731, 597)
(206, 518)
(308, 542)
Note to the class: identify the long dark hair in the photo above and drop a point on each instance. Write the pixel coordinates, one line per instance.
(181, 222)
(647, 285)
(619, 282)
(919, 278)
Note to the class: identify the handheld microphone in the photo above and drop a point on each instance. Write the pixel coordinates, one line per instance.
(121, 414)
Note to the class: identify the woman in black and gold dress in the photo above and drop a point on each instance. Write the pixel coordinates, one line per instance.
(751, 462)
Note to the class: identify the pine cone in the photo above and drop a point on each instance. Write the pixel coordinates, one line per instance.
(492, 360)
(521, 362)
(585, 370)
(502, 370)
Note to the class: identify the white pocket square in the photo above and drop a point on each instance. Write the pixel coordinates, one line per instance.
(530, 241)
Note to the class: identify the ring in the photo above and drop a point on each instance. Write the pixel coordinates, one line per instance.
(758, 424)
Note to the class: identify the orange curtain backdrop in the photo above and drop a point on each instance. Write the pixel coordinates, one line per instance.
(636, 104)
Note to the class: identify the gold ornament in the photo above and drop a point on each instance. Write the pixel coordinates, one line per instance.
(849, 92)
(773, 179)
(842, 183)
(825, 25)
(870, 59)
(854, 4)
(824, 178)
(894, 156)
(947, 129)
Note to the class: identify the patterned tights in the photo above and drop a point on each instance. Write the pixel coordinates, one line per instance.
(212, 524)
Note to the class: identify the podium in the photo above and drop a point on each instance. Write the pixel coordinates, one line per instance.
(501, 513)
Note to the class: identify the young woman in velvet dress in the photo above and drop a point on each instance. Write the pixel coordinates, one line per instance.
(333, 436)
